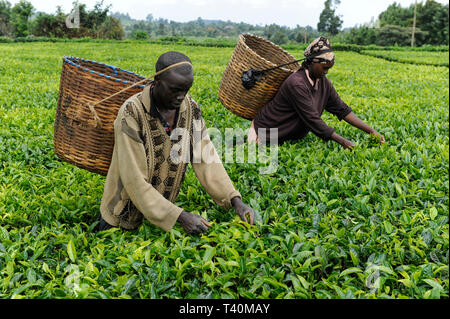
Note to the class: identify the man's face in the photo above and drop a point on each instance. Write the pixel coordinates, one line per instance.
(172, 88)
(319, 70)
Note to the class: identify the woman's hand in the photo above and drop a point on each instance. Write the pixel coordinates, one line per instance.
(348, 144)
(343, 141)
(352, 119)
(243, 211)
(378, 136)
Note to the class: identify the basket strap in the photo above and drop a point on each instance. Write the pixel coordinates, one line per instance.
(98, 122)
(250, 77)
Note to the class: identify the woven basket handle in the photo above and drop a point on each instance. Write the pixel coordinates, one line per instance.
(98, 122)
(250, 77)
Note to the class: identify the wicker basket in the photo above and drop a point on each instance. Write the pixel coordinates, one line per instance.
(78, 139)
(253, 52)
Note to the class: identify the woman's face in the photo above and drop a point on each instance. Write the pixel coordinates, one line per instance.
(319, 70)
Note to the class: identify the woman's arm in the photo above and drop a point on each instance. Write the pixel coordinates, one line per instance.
(343, 141)
(352, 119)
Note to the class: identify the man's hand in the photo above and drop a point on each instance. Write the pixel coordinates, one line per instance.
(193, 223)
(243, 211)
(378, 136)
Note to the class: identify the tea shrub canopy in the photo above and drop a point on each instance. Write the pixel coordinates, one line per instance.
(372, 223)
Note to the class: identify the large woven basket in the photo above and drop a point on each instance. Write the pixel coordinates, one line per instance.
(78, 137)
(253, 52)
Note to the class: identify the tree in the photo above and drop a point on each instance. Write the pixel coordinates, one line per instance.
(161, 26)
(279, 38)
(362, 35)
(276, 33)
(174, 27)
(396, 25)
(433, 18)
(200, 22)
(48, 25)
(96, 17)
(329, 21)
(396, 15)
(90, 20)
(139, 35)
(401, 36)
(141, 25)
(111, 29)
(414, 23)
(20, 14)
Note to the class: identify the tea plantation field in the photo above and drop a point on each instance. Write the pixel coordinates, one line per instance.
(372, 223)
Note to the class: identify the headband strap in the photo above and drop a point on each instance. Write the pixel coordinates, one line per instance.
(168, 68)
(98, 122)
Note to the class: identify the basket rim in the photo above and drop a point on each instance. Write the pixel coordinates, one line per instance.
(241, 39)
(70, 60)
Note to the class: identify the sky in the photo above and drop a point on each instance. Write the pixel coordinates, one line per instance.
(258, 12)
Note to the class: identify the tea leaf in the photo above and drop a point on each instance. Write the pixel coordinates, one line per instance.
(350, 271)
(433, 213)
(71, 251)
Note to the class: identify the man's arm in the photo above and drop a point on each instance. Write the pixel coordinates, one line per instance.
(244, 212)
(211, 174)
(209, 169)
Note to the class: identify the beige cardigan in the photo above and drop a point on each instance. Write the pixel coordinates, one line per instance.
(143, 180)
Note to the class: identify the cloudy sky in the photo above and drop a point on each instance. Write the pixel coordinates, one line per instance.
(282, 12)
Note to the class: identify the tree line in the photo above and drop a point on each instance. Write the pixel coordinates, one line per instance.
(392, 27)
(395, 26)
(150, 27)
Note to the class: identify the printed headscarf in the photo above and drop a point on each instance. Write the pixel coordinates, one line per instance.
(319, 51)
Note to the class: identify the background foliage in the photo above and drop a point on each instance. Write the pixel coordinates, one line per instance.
(329, 21)
(392, 27)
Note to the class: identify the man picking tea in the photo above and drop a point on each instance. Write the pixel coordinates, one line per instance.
(157, 133)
